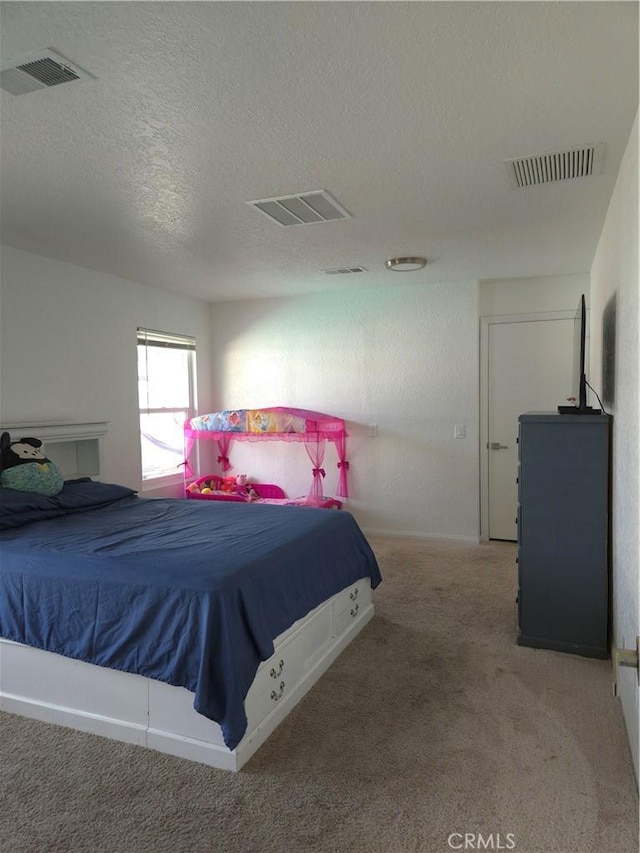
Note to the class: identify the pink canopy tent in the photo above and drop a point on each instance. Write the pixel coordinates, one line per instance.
(280, 423)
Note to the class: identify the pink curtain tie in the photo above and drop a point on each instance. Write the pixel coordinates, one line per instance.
(344, 465)
(319, 471)
(224, 461)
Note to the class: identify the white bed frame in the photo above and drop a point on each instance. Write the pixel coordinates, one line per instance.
(138, 710)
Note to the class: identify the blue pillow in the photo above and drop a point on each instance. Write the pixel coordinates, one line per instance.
(18, 507)
(89, 494)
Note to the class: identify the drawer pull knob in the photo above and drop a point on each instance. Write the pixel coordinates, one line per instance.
(273, 672)
(354, 609)
(353, 595)
(275, 696)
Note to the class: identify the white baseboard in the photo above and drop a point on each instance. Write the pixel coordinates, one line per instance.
(411, 534)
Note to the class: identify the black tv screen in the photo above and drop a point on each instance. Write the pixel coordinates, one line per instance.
(578, 376)
(579, 384)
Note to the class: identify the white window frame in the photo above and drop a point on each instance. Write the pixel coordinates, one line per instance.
(152, 337)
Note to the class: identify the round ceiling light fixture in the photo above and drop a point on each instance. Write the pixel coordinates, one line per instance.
(405, 264)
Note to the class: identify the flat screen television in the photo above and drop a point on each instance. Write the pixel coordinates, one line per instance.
(578, 375)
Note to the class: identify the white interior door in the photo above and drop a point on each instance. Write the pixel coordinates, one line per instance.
(529, 370)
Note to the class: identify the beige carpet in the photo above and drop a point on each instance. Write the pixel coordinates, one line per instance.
(433, 722)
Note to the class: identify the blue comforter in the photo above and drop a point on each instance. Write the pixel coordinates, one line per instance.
(189, 593)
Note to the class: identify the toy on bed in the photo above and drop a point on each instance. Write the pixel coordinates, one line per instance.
(211, 488)
(23, 466)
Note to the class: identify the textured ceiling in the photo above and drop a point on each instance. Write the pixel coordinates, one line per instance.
(404, 112)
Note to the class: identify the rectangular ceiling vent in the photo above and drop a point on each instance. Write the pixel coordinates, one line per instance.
(41, 70)
(301, 209)
(556, 166)
(345, 271)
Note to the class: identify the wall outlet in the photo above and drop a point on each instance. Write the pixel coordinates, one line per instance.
(458, 431)
(373, 431)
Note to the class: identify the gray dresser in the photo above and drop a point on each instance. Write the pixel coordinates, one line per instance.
(563, 532)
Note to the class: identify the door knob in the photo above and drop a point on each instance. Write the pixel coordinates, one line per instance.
(495, 445)
(625, 657)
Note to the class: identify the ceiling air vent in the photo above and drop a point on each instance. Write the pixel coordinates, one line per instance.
(301, 209)
(555, 166)
(345, 271)
(41, 70)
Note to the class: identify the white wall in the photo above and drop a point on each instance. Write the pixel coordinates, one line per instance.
(532, 295)
(405, 359)
(615, 275)
(68, 349)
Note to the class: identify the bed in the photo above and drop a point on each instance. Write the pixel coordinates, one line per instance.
(188, 627)
(314, 430)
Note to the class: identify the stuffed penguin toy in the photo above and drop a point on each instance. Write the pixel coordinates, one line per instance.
(24, 466)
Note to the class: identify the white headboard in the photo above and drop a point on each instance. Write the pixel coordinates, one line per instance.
(76, 448)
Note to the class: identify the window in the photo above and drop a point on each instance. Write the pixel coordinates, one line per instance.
(166, 394)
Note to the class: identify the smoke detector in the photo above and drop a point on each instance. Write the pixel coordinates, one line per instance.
(555, 166)
(306, 208)
(40, 70)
